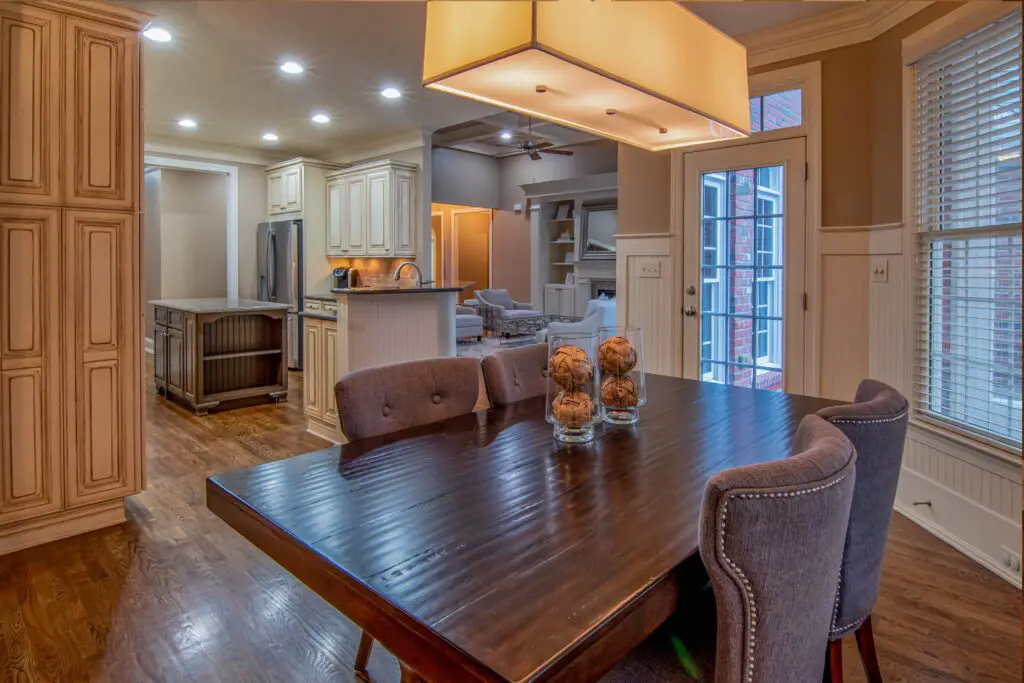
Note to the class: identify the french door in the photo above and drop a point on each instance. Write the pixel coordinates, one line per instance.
(743, 265)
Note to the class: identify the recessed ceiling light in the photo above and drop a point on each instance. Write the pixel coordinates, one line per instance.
(292, 68)
(391, 93)
(506, 136)
(187, 123)
(270, 137)
(321, 118)
(160, 35)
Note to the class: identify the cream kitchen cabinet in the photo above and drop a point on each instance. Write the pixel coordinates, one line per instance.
(285, 188)
(318, 372)
(373, 210)
(71, 386)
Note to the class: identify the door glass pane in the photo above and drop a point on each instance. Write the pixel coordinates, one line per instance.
(741, 326)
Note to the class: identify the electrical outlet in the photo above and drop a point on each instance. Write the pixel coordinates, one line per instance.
(650, 268)
(1011, 560)
(880, 270)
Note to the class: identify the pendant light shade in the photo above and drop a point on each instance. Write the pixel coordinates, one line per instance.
(646, 72)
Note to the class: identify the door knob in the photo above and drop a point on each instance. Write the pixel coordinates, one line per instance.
(691, 290)
(690, 311)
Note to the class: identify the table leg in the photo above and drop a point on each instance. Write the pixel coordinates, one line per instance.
(409, 676)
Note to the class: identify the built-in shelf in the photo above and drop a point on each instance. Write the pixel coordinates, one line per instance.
(556, 263)
(563, 242)
(563, 220)
(243, 354)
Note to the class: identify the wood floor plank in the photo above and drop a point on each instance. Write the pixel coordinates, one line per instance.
(175, 595)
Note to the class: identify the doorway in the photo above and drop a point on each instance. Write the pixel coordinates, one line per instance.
(471, 234)
(743, 271)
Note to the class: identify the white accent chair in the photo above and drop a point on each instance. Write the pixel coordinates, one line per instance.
(599, 313)
(497, 304)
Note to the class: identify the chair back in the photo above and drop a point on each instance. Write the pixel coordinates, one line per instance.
(512, 375)
(876, 423)
(390, 398)
(771, 537)
(497, 297)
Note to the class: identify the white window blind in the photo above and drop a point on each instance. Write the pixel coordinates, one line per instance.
(968, 186)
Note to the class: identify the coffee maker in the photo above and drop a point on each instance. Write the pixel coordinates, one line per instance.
(345, 277)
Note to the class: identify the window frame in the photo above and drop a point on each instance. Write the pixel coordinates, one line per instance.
(954, 26)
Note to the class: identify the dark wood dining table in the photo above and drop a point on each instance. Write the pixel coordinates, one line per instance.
(479, 549)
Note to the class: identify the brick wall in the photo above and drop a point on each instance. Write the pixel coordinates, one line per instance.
(740, 241)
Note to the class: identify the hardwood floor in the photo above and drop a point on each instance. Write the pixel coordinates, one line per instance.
(176, 595)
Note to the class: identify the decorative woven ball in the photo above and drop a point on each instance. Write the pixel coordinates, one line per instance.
(617, 356)
(620, 392)
(572, 408)
(570, 367)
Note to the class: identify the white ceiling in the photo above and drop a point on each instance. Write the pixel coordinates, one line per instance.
(221, 70)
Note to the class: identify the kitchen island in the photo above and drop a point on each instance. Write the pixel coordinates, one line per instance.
(363, 327)
(209, 352)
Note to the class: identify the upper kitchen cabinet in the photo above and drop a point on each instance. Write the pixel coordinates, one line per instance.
(101, 114)
(30, 41)
(286, 184)
(372, 210)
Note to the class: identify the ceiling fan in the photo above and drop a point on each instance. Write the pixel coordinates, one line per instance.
(532, 147)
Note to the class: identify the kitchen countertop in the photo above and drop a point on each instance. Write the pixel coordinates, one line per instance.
(219, 305)
(320, 296)
(396, 290)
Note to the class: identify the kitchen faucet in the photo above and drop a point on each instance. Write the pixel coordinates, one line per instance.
(419, 273)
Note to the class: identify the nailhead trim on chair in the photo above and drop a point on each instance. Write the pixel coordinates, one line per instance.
(863, 421)
(748, 590)
(835, 605)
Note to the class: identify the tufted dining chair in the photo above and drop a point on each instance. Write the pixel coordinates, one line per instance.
(380, 400)
(771, 538)
(512, 375)
(876, 424)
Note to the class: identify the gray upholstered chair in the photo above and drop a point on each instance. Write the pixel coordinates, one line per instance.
(512, 375)
(389, 398)
(876, 423)
(497, 304)
(468, 323)
(771, 537)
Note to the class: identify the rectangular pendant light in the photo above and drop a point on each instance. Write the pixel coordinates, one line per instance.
(645, 72)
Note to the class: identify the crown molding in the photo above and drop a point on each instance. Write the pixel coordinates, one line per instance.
(381, 147)
(117, 15)
(828, 31)
(160, 144)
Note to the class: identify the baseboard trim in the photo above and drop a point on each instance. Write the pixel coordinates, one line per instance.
(325, 432)
(63, 524)
(147, 345)
(949, 504)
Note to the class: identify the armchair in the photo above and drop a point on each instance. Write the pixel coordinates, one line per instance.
(497, 304)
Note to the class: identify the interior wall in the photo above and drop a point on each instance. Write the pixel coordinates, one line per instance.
(193, 234)
(447, 247)
(511, 229)
(644, 183)
(465, 178)
(151, 244)
(252, 210)
(472, 247)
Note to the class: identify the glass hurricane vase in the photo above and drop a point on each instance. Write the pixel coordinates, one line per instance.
(572, 395)
(620, 361)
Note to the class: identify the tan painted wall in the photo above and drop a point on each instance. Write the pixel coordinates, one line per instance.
(510, 234)
(151, 244)
(644, 179)
(861, 124)
(193, 234)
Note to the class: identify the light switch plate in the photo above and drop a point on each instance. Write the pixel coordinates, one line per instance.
(879, 270)
(650, 268)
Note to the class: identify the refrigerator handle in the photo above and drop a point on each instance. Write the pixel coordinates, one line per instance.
(271, 267)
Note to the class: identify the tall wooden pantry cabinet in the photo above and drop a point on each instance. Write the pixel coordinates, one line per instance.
(71, 394)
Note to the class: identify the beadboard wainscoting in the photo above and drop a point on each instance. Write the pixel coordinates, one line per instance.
(646, 287)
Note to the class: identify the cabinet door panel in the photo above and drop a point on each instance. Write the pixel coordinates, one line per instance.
(550, 300)
(160, 355)
(30, 376)
(176, 361)
(29, 105)
(293, 189)
(405, 218)
(330, 371)
(275, 193)
(311, 368)
(355, 215)
(378, 239)
(102, 356)
(335, 239)
(566, 301)
(101, 141)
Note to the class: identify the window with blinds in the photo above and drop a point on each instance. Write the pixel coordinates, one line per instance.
(968, 186)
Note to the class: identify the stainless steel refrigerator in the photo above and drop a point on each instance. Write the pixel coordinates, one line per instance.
(279, 268)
